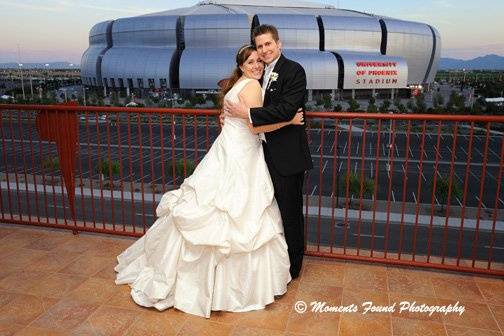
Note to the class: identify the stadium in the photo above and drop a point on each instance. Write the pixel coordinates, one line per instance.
(189, 49)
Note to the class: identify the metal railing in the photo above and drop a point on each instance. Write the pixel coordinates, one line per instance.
(416, 189)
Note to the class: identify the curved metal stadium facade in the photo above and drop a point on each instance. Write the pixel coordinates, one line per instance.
(193, 48)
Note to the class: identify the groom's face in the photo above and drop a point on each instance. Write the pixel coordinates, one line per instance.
(267, 48)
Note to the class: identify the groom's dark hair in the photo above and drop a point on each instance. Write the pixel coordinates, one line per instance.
(265, 29)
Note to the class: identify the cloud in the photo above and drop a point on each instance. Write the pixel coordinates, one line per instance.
(444, 3)
(474, 51)
(29, 6)
(63, 5)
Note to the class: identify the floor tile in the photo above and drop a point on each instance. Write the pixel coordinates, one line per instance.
(457, 289)
(57, 285)
(65, 315)
(33, 331)
(24, 308)
(111, 321)
(332, 275)
(367, 278)
(498, 313)
(493, 291)
(53, 261)
(476, 315)
(404, 281)
(453, 330)
(409, 327)
(21, 281)
(9, 329)
(155, 323)
(85, 266)
(204, 327)
(412, 307)
(369, 324)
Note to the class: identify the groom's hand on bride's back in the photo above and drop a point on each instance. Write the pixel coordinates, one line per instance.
(236, 110)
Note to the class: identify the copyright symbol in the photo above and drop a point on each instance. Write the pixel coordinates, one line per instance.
(300, 307)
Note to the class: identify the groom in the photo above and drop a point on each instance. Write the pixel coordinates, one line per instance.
(286, 149)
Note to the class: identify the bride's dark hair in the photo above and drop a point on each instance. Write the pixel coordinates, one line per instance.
(242, 55)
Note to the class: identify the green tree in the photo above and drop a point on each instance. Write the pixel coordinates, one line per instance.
(197, 99)
(108, 169)
(353, 105)
(410, 106)
(420, 107)
(190, 166)
(456, 103)
(50, 164)
(438, 100)
(148, 102)
(442, 189)
(355, 187)
(327, 102)
(114, 99)
(337, 108)
(385, 105)
(371, 106)
(215, 100)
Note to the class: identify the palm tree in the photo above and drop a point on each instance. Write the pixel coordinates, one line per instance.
(442, 189)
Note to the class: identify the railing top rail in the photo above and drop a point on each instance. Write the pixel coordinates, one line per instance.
(402, 116)
(313, 114)
(104, 109)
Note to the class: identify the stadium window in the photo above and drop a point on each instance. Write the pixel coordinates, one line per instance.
(112, 82)
(140, 83)
(105, 80)
(151, 83)
(130, 83)
(162, 82)
(121, 83)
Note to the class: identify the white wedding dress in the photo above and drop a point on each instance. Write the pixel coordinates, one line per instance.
(218, 242)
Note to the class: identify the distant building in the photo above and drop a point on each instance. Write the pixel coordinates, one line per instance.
(499, 101)
(193, 48)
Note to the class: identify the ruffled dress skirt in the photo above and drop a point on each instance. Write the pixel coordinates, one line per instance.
(218, 241)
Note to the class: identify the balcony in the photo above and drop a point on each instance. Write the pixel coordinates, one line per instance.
(397, 208)
(56, 283)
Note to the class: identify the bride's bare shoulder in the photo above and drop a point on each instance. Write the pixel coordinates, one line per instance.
(252, 87)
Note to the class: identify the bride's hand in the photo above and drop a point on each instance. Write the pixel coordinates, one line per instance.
(298, 118)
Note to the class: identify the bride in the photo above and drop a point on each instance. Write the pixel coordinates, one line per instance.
(218, 242)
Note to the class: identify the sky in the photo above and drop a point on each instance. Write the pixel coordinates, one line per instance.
(57, 30)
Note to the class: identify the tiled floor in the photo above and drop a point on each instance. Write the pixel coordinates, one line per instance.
(55, 283)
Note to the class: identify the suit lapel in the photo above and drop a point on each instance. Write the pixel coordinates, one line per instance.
(276, 69)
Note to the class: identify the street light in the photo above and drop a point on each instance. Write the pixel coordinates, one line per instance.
(84, 88)
(65, 92)
(390, 143)
(31, 83)
(22, 81)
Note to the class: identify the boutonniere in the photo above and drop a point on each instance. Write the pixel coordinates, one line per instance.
(273, 78)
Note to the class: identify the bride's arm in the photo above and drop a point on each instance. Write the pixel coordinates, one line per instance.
(251, 95)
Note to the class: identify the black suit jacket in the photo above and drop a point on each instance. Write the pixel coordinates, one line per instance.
(287, 146)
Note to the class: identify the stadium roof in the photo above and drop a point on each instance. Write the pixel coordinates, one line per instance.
(267, 3)
(252, 7)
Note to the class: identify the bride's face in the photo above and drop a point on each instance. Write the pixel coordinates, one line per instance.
(253, 67)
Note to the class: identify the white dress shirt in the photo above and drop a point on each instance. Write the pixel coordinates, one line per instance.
(268, 69)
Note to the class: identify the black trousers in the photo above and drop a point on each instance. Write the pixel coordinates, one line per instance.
(289, 196)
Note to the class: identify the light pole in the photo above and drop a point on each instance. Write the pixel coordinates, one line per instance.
(31, 84)
(22, 81)
(84, 93)
(389, 143)
(46, 73)
(45, 77)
